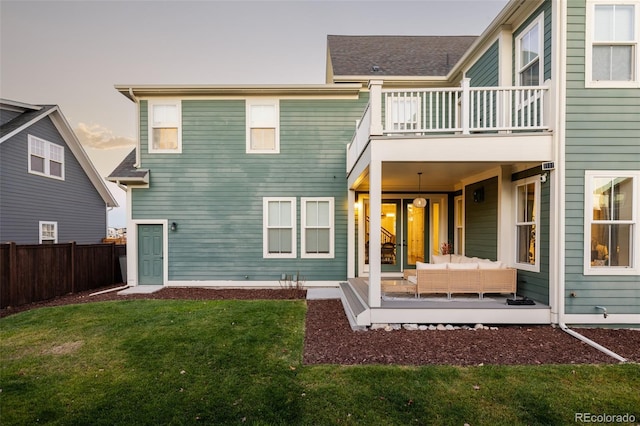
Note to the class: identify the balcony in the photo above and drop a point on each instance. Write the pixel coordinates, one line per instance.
(463, 110)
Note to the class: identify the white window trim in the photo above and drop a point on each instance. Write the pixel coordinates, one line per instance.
(262, 101)
(303, 227)
(588, 209)
(527, 266)
(47, 158)
(150, 104)
(265, 226)
(458, 229)
(55, 231)
(588, 57)
(518, 69)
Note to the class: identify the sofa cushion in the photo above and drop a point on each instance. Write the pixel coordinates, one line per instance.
(413, 279)
(457, 258)
(422, 265)
(441, 258)
(462, 266)
(489, 264)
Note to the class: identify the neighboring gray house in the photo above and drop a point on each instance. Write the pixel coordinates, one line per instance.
(50, 191)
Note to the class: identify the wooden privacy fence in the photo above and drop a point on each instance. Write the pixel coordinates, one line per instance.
(33, 273)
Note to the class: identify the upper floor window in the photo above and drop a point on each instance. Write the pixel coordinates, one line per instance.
(527, 197)
(165, 127)
(46, 158)
(48, 232)
(263, 126)
(529, 54)
(611, 223)
(612, 35)
(279, 227)
(317, 227)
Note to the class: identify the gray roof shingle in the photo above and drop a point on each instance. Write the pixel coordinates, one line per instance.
(126, 172)
(23, 119)
(396, 55)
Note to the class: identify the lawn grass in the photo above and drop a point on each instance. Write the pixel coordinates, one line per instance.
(233, 362)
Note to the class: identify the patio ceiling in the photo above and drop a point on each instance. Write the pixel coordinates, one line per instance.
(441, 176)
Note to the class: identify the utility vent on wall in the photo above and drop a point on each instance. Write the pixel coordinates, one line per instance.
(548, 166)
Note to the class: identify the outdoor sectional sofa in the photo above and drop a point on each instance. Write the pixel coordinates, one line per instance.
(454, 274)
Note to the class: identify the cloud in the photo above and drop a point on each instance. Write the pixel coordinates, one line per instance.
(96, 136)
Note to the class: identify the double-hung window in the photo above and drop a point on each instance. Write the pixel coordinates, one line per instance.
(48, 232)
(611, 58)
(527, 241)
(165, 127)
(317, 227)
(529, 54)
(263, 126)
(46, 158)
(611, 223)
(279, 227)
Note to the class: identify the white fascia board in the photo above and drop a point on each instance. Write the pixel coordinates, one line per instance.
(507, 16)
(27, 124)
(491, 148)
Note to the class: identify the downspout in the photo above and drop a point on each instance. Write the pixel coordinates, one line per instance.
(137, 102)
(561, 12)
(109, 290)
(591, 343)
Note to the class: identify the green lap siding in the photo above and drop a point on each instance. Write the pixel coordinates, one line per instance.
(602, 133)
(481, 220)
(484, 73)
(214, 190)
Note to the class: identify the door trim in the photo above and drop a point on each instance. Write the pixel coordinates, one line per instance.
(132, 248)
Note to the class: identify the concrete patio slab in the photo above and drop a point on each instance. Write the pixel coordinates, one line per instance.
(323, 293)
(141, 289)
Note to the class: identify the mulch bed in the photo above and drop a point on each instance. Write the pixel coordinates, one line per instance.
(330, 340)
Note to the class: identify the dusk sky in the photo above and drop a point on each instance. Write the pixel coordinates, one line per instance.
(72, 53)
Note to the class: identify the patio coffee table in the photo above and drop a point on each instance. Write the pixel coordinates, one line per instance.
(398, 286)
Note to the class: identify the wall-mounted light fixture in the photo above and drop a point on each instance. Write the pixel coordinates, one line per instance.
(478, 195)
(174, 226)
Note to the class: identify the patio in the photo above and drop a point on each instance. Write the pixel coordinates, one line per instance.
(434, 309)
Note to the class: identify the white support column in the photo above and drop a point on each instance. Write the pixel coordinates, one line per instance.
(375, 226)
(375, 102)
(465, 103)
(505, 46)
(505, 73)
(506, 222)
(351, 234)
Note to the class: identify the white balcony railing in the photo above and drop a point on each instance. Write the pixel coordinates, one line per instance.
(462, 110)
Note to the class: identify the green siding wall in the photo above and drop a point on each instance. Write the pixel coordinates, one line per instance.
(214, 189)
(546, 8)
(602, 133)
(484, 73)
(481, 220)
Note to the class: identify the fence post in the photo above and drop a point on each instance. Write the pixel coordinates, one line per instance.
(13, 271)
(73, 266)
(113, 264)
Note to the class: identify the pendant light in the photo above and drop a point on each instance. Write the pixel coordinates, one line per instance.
(419, 202)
